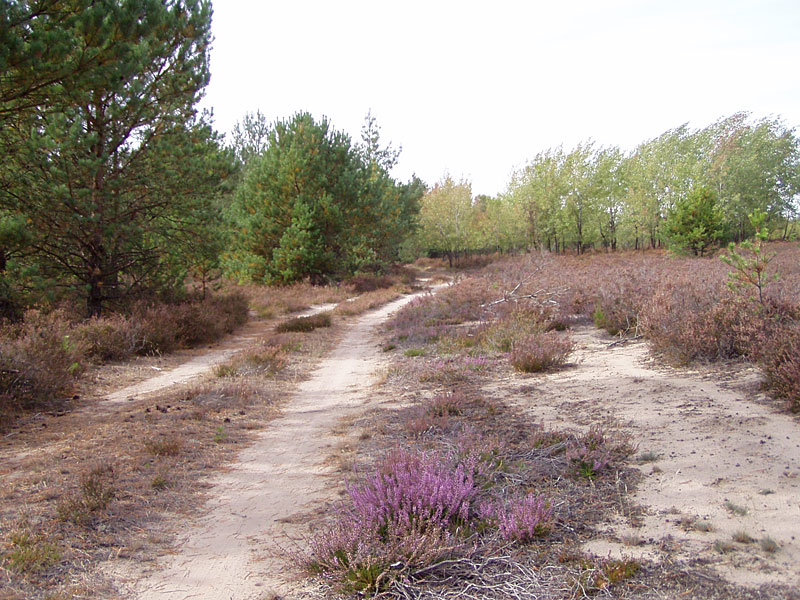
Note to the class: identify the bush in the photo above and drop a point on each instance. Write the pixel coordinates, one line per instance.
(165, 328)
(39, 361)
(110, 338)
(541, 351)
(400, 518)
(512, 327)
(370, 283)
(779, 358)
(415, 488)
(305, 324)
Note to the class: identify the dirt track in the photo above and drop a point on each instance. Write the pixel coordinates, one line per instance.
(256, 505)
(715, 437)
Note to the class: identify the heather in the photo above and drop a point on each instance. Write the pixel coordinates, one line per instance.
(42, 355)
(688, 309)
(483, 318)
(477, 479)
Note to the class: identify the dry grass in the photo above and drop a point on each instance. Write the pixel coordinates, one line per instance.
(271, 302)
(369, 300)
(62, 515)
(83, 486)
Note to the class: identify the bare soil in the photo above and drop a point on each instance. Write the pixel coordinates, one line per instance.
(720, 462)
(719, 458)
(263, 502)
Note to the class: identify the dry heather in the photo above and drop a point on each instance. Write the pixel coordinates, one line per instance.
(42, 356)
(83, 487)
(688, 309)
(455, 493)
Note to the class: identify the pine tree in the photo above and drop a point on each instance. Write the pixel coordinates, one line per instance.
(105, 138)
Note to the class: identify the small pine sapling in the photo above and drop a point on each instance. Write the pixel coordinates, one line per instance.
(749, 267)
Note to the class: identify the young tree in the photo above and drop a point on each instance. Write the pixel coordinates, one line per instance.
(750, 261)
(580, 202)
(540, 190)
(695, 223)
(311, 206)
(609, 190)
(446, 217)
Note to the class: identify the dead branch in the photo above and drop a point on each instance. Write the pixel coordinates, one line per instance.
(542, 295)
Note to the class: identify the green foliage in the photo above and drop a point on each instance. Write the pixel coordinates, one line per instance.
(446, 218)
(110, 168)
(588, 196)
(313, 205)
(30, 552)
(695, 222)
(750, 261)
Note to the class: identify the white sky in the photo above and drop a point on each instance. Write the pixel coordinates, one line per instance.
(476, 89)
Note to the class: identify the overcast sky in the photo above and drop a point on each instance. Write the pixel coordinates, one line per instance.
(476, 89)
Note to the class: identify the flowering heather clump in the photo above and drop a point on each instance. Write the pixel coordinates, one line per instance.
(401, 517)
(520, 519)
(541, 351)
(589, 453)
(414, 488)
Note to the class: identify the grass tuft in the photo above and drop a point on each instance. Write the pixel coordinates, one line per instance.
(735, 509)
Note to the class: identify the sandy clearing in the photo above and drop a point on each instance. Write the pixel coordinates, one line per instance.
(718, 440)
(260, 502)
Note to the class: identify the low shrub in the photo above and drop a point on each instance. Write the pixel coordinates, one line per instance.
(415, 488)
(164, 446)
(39, 361)
(520, 519)
(403, 517)
(541, 351)
(165, 328)
(95, 492)
(305, 324)
(421, 421)
(116, 337)
(426, 318)
(370, 283)
(592, 452)
(267, 358)
(446, 404)
(519, 322)
(779, 358)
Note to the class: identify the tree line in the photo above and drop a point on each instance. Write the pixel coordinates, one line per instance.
(114, 186)
(686, 189)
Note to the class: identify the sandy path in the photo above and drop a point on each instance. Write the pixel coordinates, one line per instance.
(229, 552)
(203, 363)
(717, 439)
